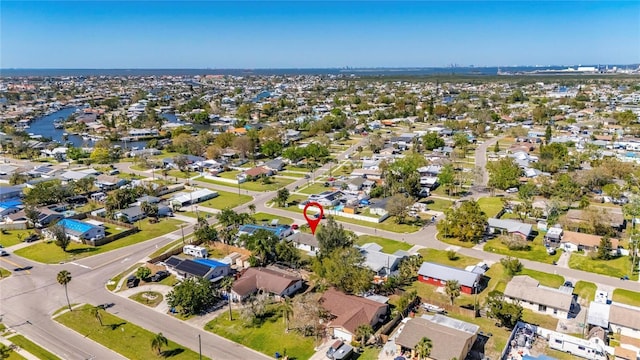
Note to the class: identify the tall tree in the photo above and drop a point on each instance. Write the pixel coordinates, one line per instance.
(452, 289)
(5, 351)
(504, 173)
(446, 177)
(331, 236)
(507, 313)
(423, 348)
(363, 332)
(467, 222)
(158, 342)
(398, 206)
(60, 236)
(432, 140)
(287, 311)
(226, 284)
(282, 196)
(604, 249)
(64, 278)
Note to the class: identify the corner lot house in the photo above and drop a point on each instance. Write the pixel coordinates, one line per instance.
(381, 263)
(451, 338)
(79, 230)
(541, 299)
(350, 311)
(510, 227)
(183, 199)
(265, 280)
(574, 241)
(438, 275)
(208, 269)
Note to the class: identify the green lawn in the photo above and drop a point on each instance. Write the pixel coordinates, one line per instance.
(149, 298)
(616, 267)
(626, 297)
(33, 348)
(455, 241)
(314, 188)
(4, 272)
(291, 174)
(128, 176)
(369, 353)
(266, 218)
(276, 183)
(545, 279)
(15, 356)
(169, 246)
(11, 237)
(441, 257)
(129, 340)
(195, 214)
(177, 174)
(490, 205)
(295, 168)
(229, 174)
(586, 290)
(538, 251)
(268, 338)
(227, 199)
(388, 246)
(438, 204)
(50, 253)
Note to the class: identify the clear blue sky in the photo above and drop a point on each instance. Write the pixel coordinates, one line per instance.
(208, 34)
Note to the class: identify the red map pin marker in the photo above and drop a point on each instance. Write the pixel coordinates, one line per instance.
(313, 222)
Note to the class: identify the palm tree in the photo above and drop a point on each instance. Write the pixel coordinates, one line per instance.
(452, 289)
(95, 311)
(252, 208)
(5, 351)
(363, 332)
(64, 278)
(287, 311)
(158, 341)
(423, 348)
(226, 284)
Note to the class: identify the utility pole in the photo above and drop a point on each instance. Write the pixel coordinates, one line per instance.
(182, 230)
(200, 346)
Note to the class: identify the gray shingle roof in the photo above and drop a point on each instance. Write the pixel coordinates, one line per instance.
(443, 272)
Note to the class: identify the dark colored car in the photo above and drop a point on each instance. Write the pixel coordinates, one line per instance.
(132, 281)
(32, 238)
(159, 275)
(568, 284)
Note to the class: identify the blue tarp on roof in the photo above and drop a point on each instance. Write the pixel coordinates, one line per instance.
(75, 225)
(210, 263)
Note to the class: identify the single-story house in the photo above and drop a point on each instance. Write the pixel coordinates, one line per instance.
(206, 268)
(438, 275)
(611, 215)
(450, 338)
(46, 215)
(381, 263)
(275, 165)
(258, 171)
(275, 282)
(148, 199)
(510, 227)
(305, 242)
(379, 207)
(106, 182)
(327, 198)
(80, 230)
(9, 207)
(371, 174)
(349, 312)
(10, 192)
(574, 241)
(194, 197)
(625, 320)
(541, 299)
(553, 235)
(130, 214)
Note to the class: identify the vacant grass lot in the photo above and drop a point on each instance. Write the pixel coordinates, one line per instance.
(438, 204)
(276, 183)
(626, 297)
(50, 253)
(13, 237)
(586, 290)
(291, 174)
(33, 348)
(538, 251)
(227, 199)
(545, 279)
(616, 267)
(490, 205)
(229, 174)
(388, 246)
(133, 342)
(315, 188)
(267, 338)
(262, 218)
(442, 257)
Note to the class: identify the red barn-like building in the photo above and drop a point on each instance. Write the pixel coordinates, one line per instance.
(438, 275)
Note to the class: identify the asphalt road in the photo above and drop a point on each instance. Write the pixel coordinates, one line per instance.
(27, 300)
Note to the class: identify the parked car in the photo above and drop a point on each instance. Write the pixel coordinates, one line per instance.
(4, 253)
(340, 351)
(294, 226)
(32, 238)
(159, 275)
(132, 281)
(568, 284)
(432, 308)
(624, 278)
(512, 190)
(551, 251)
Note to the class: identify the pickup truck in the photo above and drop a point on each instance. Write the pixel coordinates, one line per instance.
(340, 351)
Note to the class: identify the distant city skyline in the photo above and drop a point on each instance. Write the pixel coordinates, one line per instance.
(305, 34)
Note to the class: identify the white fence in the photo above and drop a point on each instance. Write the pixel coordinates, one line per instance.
(16, 225)
(221, 179)
(347, 215)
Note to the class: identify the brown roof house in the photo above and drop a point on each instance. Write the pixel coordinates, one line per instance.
(450, 338)
(625, 320)
(265, 280)
(541, 299)
(350, 311)
(574, 241)
(258, 171)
